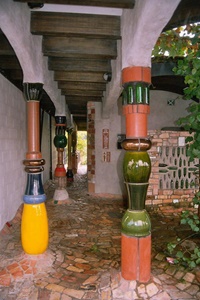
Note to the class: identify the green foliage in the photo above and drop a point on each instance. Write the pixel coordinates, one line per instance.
(184, 256)
(178, 42)
(196, 199)
(171, 246)
(189, 67)
(190, 219)
(185, 42)
(82, 146)
(94, 248)
(191, 123)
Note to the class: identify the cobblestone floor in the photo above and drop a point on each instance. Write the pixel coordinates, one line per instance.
(83, 258)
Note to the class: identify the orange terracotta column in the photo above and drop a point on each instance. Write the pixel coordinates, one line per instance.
(136, 225)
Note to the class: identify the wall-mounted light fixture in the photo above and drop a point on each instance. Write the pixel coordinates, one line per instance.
(171, 102)
(107, 76)
(33, 5)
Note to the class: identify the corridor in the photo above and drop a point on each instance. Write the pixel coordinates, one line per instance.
(83, 258)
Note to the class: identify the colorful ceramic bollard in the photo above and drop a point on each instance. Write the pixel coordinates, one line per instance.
(34, 224)
(136, 224)
(60, 142)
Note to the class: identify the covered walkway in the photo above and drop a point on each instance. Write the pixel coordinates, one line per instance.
(83, 258)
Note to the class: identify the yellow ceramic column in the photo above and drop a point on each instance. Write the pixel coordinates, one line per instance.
(34, 226)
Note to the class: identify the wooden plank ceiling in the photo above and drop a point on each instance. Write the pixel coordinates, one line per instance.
(79, 48)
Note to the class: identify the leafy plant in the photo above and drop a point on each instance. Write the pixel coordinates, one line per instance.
(178, 42)
(190, 219)
(191, 123)
(185, 42)
(184, 257)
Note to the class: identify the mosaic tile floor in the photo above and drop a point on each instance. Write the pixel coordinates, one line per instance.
(83, 257)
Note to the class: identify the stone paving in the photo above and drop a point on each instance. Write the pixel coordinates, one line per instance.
(83, 257)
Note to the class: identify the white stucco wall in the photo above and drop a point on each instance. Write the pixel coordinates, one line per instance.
(163, 115)
(108, 175)
(12, 150)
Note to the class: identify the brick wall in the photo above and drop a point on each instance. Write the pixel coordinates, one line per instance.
(91, 146)
(155, 195)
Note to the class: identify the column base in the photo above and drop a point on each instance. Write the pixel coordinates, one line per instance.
(70, 175)
(34, 229)
(61, 194)
(136, 258)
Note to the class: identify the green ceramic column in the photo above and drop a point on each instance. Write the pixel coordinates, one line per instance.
(136, 224)
(136, 171)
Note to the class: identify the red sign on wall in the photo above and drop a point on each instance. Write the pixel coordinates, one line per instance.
(105, 138)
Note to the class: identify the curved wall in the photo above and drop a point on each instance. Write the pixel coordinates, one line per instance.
(12, 149)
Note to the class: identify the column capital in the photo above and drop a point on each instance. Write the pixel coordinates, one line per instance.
(60, 120)
(136, 73)
(33, 91)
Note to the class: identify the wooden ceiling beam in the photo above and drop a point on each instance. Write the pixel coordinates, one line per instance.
(82, 99)
(80, 115)
(187, 12)
(75, 24)
(86, 86)
(79, 76)
(77, 110)
(17, 75)
(103, 3)
(86, 93)
(5, 48)
(79, 102)
(77, 64)
(9, 62)
(79, 47)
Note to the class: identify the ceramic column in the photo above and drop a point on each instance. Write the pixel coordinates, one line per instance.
(136, 225)
(70, 175)
(34, 226)
(60, 142)
(74, 151)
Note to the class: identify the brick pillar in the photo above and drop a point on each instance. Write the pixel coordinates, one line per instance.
(136, 225)
(34, 226)
(91, 146)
